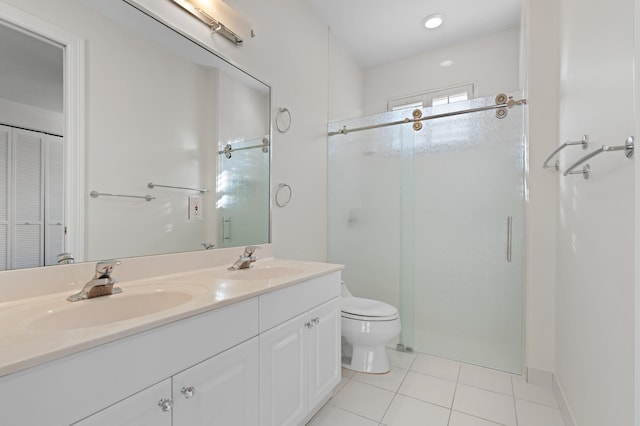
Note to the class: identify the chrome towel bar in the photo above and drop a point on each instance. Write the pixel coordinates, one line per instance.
(584, 142)
(96, 194)
(153, 185)
(627, 148)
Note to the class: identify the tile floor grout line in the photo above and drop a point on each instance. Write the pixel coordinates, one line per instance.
(455, 390)
(395, 394)
(515, 409)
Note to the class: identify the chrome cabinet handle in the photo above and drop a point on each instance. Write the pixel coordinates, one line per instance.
(165, 404)
(188, 391)
(309, 324)
(509, 237)
(316, 320)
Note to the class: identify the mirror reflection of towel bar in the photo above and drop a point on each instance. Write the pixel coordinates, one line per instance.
(153, 185)
(96, 194)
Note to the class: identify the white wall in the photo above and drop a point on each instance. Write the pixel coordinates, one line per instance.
(158, 136)
(596, 217)
(346, 83)
(540, 69)
(490, 62)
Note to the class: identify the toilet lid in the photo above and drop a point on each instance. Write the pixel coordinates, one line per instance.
(367, 307)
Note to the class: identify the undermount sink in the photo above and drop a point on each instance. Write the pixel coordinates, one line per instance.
(264, 273)
(132, 303)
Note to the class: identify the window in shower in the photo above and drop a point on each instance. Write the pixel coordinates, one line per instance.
(458, 93)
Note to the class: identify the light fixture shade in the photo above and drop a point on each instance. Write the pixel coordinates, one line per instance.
(220, 17)
(432, 22)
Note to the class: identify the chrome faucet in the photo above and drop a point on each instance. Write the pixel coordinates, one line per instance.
(101, 284)
(65, 259)
(246, 259)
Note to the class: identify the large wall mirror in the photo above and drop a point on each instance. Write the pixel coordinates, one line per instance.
(176, 148)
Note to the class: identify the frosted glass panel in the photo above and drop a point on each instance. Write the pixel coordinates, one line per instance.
(468, 176)
(420, 221)
(364, 207)
(242, 194)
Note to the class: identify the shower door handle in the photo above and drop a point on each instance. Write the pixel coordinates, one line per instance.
(509, 237)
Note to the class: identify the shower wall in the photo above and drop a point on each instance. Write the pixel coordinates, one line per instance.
(490, 62)
(420, 221)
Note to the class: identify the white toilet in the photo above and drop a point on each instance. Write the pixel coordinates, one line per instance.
(366, 326)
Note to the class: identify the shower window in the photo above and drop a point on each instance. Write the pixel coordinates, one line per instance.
(459, 93)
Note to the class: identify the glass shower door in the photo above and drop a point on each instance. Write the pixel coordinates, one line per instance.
(468, 187)
(431, 221)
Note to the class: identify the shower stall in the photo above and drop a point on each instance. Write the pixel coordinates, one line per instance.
(426, 210)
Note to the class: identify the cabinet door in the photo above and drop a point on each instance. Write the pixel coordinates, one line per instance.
(222, 390)
(141, 409)
(324, 351)
(283, 374)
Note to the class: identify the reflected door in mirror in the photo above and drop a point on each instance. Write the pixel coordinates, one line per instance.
(31, 198)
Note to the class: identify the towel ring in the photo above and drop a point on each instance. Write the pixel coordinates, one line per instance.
(284, 200)
(283, 120)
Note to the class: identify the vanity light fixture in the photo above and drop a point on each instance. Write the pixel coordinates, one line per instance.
(216, 26)
(432, 22)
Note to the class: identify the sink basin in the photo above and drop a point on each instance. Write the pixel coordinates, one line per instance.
(132, 303)
(264, 273)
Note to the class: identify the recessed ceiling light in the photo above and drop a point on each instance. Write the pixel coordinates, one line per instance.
(446, 63)
(433, 21)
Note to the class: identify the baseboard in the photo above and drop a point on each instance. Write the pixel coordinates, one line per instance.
(548, 379)
(567, 416)
(539, 377)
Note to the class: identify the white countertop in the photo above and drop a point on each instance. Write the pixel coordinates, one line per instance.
(29, 336)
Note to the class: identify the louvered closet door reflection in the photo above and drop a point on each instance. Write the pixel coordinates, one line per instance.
(54, 200)
(29, 199)
(5, 138)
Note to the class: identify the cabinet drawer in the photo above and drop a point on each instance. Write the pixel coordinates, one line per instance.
(279, 306)
(141, 409)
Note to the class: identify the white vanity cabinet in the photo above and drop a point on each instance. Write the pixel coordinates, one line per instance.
(300, 357)
(77, 386)
(269, 360)
(222, 390)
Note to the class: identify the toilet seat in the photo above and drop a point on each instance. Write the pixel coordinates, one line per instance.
(362, 309)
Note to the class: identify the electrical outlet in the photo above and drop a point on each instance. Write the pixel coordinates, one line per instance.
(195, 208)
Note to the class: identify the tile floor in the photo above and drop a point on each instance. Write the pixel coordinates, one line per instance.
(429, 391)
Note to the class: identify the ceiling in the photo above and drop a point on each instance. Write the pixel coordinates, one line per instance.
(378, 32)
